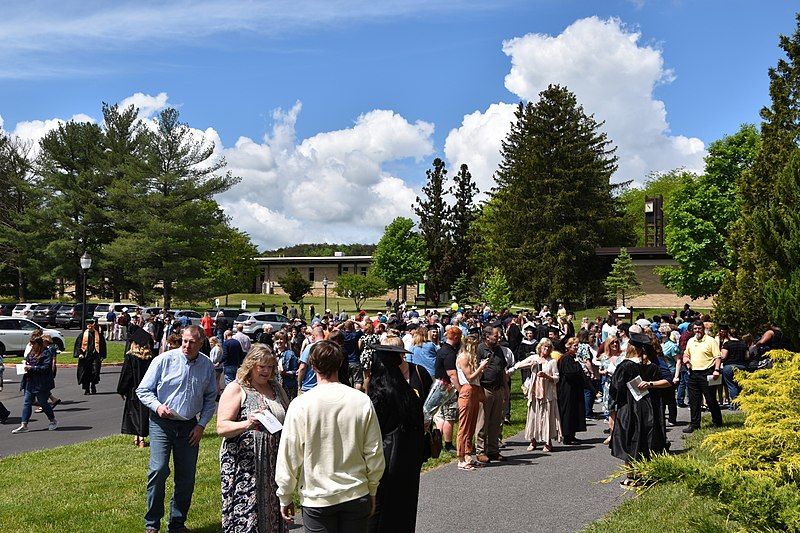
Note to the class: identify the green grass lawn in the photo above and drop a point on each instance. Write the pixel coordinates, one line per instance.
(671, 507)
(100, 485)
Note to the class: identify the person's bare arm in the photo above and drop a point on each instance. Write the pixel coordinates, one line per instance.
(228, 423)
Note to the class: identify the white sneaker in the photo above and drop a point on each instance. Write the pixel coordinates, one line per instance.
(21, 429)
(52, 425)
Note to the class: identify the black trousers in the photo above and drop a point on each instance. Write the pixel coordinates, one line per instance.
(669, 403)
(347, 517)
(699, 389)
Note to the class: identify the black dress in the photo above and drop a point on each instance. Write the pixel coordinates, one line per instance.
(571, 407)
(639, 429)
(89, 361)
(398, 491)
(135, 415)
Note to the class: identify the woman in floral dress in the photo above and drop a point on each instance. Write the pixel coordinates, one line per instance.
(249, 451)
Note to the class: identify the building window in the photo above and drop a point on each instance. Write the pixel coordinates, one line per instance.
(363, 271)
(310, 273)
(345, 270)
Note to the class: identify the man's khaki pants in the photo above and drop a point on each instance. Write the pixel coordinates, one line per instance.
(490, 422)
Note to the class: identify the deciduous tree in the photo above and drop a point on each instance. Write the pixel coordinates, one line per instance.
(400, 257)
(295, 285)
(359, 288)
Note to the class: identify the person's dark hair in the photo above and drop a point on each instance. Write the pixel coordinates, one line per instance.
(583, 336)
(624, 327)
(488, 330)
(38, 342)
(699, 323)
(395, 401)
(280, 336)
(326, 358)
(336, 337)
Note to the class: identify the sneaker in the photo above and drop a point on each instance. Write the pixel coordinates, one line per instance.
(506, 420)
(682, 405)
(21, 429)
(38, 410)
(449, 448)
(688, 429)
(52, 425)
(670, 424)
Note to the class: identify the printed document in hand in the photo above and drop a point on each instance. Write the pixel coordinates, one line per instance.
(20, 369)
(637, 393)
(269, 421)
(713, 382)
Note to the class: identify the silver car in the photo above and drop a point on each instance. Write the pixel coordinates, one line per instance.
(16, 332)
(254, 322)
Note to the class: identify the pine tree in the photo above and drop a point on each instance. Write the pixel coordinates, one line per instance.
(553, 202)
(622, 282)
(462, 216)
(764, 243)
(434, 226)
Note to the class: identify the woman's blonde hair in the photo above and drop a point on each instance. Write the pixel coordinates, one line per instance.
(260, 354)
(572, 341)
(393, 340)
(213, 341)
(470, 348)
(607, 345)
(433, 332)
(419, 337)
(544, 342)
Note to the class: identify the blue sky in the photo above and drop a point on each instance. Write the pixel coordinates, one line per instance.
(697, 70)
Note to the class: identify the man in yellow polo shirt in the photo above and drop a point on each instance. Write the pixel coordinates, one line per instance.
(703, 356)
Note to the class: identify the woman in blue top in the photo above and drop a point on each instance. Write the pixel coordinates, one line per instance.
(37, 383)
(670, 352)
(423, 350)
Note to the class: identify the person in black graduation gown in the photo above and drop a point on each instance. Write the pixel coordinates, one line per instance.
(571, 406)
(399, 411)
(526, 348)
(135, 416)
(639, 429)
(90, 349)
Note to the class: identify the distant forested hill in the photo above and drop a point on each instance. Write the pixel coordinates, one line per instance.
(308, 250)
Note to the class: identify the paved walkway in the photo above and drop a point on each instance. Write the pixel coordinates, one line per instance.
(531, 492)
(80, 418)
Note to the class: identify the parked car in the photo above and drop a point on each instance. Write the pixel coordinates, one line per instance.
(15, 333)
(254, 322)
(151, 311)
(228, 312)
(23, 310)
(45, 314)
(101, 311)
(69, 315)
(6, 309)
(193, 316)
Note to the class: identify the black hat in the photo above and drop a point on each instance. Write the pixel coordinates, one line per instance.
(724, 327)
(90, 321)
(641, 340)
(529, 327)
(141, 337)
(389, 355)
(474, 331)
(553, 329)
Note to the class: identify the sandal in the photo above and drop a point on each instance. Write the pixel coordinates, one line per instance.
(466, 466)
(548, 448)
(531, 446)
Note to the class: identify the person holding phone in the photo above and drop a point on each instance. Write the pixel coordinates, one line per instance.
(470, 397)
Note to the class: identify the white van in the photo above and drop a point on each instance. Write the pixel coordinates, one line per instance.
(101, 311)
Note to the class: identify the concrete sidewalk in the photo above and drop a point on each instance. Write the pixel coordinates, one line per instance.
(532, 491)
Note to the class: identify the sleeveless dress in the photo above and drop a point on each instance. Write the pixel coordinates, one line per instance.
(247, 472)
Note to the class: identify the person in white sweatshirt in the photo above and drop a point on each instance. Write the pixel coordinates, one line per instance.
(334, 429)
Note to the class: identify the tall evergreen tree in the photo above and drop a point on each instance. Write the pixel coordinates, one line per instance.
(177, 213)
(742, 300)
(622, 283)
(462, 216)
(77, 201)
(434, 226)
(553, 202)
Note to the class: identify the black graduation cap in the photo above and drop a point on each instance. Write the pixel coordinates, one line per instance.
(529, 327)
(474, 331)
(388, 354)
(554, 329)
(724, 327)
(141, 337)
(641, 340)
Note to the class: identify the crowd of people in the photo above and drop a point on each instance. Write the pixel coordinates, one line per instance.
(346, 410)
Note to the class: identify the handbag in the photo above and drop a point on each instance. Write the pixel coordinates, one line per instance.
(432, 445)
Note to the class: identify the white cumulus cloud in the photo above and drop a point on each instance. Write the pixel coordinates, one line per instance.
(146, 104)
(614, 77)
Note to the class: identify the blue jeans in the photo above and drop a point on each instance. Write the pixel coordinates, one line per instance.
(727, 377)
(682, 385)
(41, 397)
(230, 373)
(170, 437)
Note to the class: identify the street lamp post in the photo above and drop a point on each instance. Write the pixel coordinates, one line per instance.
(425, 288)
(86, 264)
(325, 291)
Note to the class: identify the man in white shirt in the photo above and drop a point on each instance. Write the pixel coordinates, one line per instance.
(334, 429)
(243, 339)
